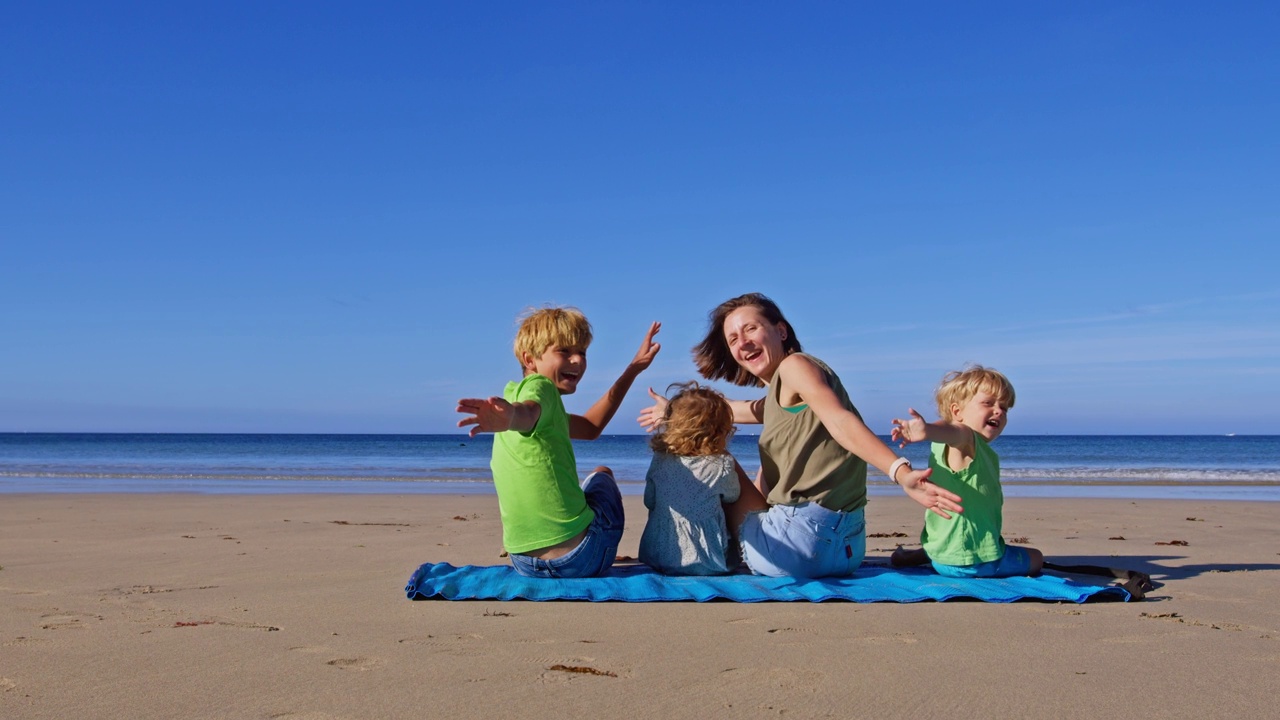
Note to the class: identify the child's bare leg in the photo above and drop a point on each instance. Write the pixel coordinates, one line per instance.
(903, 557)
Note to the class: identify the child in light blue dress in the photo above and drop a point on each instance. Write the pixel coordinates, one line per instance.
(691, 477)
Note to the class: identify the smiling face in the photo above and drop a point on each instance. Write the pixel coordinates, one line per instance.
(755, 343)
(984, 413)
(563, 366)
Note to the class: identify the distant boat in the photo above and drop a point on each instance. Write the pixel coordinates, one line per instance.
(1231, 434)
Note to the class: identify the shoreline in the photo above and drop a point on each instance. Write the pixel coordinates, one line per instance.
(1256, 491)
(292, 606)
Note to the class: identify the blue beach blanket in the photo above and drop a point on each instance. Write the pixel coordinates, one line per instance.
(638, 583)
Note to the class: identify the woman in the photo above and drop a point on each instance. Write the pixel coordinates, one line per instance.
(814, 448)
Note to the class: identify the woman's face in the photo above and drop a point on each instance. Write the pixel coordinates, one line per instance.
(754, 342)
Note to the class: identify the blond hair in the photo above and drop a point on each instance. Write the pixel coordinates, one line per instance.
(959, 386)
(698, 421)
(540, 328)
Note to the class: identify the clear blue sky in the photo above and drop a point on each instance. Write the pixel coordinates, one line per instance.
(322, 217)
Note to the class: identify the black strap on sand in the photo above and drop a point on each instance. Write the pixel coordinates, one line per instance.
(1137, 583)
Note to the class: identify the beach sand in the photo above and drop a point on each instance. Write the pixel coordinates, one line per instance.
(212, 606)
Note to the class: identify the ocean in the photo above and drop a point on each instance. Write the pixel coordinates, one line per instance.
(1112, 466)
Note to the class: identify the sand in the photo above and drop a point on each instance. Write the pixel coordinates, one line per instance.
(206, 606)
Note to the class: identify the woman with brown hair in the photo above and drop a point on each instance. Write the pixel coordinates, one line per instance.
(814, 447)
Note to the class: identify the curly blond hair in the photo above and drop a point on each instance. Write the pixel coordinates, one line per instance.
(959, 387)
(698, 421)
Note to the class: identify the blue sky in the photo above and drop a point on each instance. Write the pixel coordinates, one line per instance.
(318, 217)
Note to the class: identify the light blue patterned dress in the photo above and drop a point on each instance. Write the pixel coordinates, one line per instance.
(686, 533)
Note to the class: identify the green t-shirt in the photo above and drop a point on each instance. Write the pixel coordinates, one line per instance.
(973, 536)
(536, 474)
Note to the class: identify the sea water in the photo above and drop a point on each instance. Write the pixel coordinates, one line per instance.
(1116, 466)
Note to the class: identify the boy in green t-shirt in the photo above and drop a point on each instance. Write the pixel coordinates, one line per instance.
(551, 525)
(974, 405)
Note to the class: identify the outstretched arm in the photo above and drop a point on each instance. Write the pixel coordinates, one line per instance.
(651, 418)
(802, 377)
(495, 414)
(590, 424)
(914, 429)
(745, 412)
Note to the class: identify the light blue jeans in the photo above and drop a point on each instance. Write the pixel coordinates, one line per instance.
(806, 540)
(599, 547)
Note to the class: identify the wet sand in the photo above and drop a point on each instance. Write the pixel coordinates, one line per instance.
(292, 606)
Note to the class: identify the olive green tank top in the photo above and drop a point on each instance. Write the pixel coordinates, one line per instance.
(801, 459)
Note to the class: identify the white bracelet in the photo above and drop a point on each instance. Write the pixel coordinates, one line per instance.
(893, 469)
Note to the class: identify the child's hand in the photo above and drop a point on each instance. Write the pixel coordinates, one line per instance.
(487, 414)
(651, 417)
(648, 349)
(934, 498)
(908, 431)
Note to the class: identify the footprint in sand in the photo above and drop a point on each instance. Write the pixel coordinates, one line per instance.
(311, 649)
(155, 589)
(792, 630)
(467, 645)
(63, 621)
(419, 640)
(902, 638)
(7, 685)
(140, 590)
(355, 663)
(23, 640)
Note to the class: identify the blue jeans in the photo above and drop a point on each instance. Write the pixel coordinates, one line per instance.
(595, 554)
(806, 540)
(1015, 562)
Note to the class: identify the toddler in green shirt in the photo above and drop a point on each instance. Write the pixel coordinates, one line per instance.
(973, 405)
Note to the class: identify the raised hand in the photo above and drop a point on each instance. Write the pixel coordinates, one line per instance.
(908, 431)
(651, 418)
(648, 349)
(492, 414)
